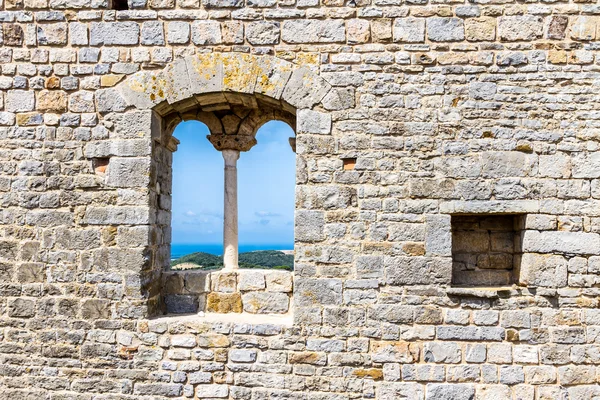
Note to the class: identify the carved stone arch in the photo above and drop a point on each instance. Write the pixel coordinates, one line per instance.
(280, 82)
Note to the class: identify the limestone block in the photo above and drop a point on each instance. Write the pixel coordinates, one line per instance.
(358, 31)
(78, 33)
(224, 302)
(251, 280)
(586, 165)
(152, 33)
(309, 292)
(239, 73)
(117, 215)
(304, 89)
(482, 90)
(561, 242)
(520, 27)
(196, 282)
(176, 85)
(95, 309)
(181, 303)
(557, 27)
(265, 303)
(114, 33)
(555, 165)
(52, 34)
(493, 392)
(313, 31)
(508, 164)
(225, 282)
(52, 101)
(543, 270)
(242, 355)
(260, 33)
(279, 281)
(13, 34)
(394, 351)
(445, 29)
(537, 375)
(206, 33)
(21, 308)
(172, 283)
(438, 235)
(82, 102)
(417, 270)
(19, 101)
(440, 391)
(397, 390)
(314, 122)
(178, 32)
(583, 28)
(409, 30)
(339, 99)
(128, 172)
(272, 75)
(438, 352)
(205, 73)
(309, 225)
(109, 100)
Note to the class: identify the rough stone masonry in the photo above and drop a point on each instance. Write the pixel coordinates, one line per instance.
(447, 198)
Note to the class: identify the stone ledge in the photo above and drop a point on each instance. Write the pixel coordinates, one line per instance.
(284, 320)
(481, 292)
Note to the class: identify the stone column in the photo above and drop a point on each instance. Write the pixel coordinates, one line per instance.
(231, 146)
(230, 211)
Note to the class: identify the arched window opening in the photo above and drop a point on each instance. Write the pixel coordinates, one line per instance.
(266, 185)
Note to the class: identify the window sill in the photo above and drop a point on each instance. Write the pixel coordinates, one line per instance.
(483, 292)
(237, 318)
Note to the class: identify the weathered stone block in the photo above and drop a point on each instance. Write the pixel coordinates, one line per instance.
(181, 303)
(251, 280)
(313, 31)
(225, 282)
(114, 33)
(514, 28)
(263, 33)
(265, 303)
(437, 391)
(279, 281)
(409, 30)
(309, 225)
(310, 292)
(206, 33)
(543, 270)
(224, 302)
(445, 29)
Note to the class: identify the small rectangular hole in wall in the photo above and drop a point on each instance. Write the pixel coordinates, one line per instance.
(486, 249)
(100, 165)
(349, 163)
(119, 5)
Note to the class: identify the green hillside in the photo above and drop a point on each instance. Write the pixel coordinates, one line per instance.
(254, 259)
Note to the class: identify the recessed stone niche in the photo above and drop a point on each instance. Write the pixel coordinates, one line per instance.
(486, 249)
(251, 291)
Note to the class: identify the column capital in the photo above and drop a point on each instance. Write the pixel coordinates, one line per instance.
(232, 142)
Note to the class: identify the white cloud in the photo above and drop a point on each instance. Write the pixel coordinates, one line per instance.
(266, 214)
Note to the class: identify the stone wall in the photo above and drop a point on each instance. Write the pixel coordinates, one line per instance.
(444, 108)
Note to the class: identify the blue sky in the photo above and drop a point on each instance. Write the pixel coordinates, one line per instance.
(266, 181)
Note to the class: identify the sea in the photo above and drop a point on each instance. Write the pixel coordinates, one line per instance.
(180, 250)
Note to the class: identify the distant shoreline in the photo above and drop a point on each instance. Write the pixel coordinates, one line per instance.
(180, 250)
